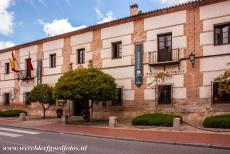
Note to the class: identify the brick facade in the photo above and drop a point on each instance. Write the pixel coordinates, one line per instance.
(186, 24)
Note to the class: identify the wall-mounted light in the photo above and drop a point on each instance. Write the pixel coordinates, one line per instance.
(192, 58)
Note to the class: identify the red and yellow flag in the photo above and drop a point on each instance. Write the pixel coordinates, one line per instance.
(13, 63)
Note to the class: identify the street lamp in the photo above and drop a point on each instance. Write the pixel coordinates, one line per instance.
(192, 58)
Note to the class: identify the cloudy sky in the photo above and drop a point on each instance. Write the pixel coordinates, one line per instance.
(24, 21)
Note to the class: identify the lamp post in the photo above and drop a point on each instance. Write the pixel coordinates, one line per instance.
(192, 58)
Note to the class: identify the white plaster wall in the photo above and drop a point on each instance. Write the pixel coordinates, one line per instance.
(23, 90)
(206, 38)
(214, 63)
(128, 95)
(25, 51)
(118, 30)
(5, 90)
(177, 43)
(179, 93)
(215, 50)
(126, 39)
(4, 58)
(124, 83)
(177, 30)
(117, 62)
(208, 77)
(127, 50)
(59, 62)
(215, 10)
(121, 72)
(205, 91)
(163, 20)
(52, 45)
(208, 25)
(7, 84)
(81, 38)
(88, 55)
(149, 94)
(51, 80)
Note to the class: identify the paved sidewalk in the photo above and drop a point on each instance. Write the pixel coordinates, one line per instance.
(191, 138)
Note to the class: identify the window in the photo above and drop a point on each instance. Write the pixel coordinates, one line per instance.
(164, 47)
(118, 100)
(26, 98)
(222, 34)
(6, 98)
(80, 56)
(39, 71)
(28, 71)
(217, 98)
(7, 68)
(116, 50)
(164, 94)
(52, 60)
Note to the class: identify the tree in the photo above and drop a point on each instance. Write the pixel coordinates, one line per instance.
(42, 93)
(86, 84)
(223, 83)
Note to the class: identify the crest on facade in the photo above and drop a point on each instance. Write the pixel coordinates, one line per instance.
(160, 78)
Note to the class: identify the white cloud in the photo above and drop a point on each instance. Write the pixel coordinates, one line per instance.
(6, 17)
(174, 2)
(104, 18)
(6, 44)
(57, 27)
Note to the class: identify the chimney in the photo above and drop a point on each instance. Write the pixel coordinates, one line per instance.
(133, 10)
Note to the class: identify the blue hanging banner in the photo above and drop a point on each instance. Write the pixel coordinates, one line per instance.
(138, 65)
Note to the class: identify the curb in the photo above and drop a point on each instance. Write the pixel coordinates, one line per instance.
(123, 138)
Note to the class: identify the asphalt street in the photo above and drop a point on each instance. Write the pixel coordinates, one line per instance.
(25, 141)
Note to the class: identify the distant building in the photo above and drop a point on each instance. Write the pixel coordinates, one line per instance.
(190, 41)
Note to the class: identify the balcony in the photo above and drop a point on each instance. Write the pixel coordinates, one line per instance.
(25, 75)
(162, 58)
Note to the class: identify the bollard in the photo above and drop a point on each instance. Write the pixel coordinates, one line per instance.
(22, 116)
(176, 123)
(65, 118)
(113, 121)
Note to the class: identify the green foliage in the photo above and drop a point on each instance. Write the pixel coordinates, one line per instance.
(220, 121)
(86, 84)
(156, 119)
(11, 113)
(224, 83)
(41, 93)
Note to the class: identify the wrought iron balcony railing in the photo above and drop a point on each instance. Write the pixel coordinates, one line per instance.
(164, 57)
(25, 75)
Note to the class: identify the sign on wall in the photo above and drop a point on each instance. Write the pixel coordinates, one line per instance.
(138, 64)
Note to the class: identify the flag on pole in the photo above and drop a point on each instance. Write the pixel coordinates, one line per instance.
(13, 63)
(29, 64)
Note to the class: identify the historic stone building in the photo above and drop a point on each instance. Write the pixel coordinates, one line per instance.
(190, 41)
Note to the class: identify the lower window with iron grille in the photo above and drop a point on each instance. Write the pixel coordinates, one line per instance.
(164, 94)
(219, 97)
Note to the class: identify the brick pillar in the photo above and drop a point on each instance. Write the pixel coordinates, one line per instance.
(139, 36)
(193, 78)
(96, 46)
(40, 53)
(66, 52)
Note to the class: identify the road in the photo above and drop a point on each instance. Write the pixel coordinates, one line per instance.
(23, 141)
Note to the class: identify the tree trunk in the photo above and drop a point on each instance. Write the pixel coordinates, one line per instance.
(88, 110)
(44, 110)
(44, 113)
